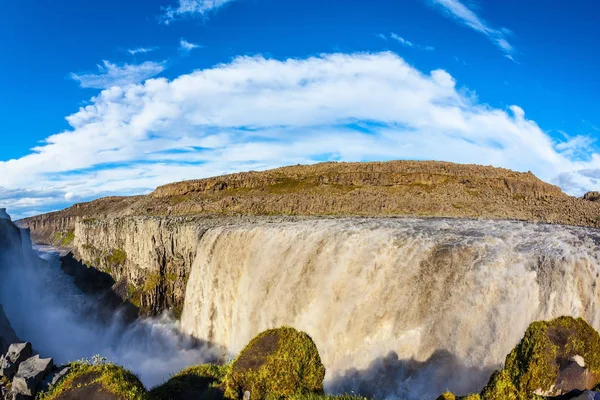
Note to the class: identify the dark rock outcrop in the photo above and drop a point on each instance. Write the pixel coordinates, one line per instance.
(16, 354)
(7, 334)
(592, 196)
(30, 374)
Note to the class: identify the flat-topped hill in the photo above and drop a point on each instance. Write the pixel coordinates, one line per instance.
(394, 188)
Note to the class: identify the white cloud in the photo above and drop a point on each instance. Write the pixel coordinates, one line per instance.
(256, 113)
(408, 43)
(187, 8)
(401, 40)
(118, 75)
(465, 16)
(141, 50)
(186, 46)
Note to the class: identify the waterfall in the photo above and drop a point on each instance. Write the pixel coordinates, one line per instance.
(399, 308)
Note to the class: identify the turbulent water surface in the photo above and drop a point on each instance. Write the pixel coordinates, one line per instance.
(402, 308)
(399, 308)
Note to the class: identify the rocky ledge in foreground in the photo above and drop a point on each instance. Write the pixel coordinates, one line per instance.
(556, 359)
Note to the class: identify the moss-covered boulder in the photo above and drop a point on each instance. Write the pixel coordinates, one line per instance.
(277, 363)
(543, 362)
(199, 382)
(97, 382)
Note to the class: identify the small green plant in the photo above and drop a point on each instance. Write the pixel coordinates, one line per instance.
(68, 238)
(116, 257)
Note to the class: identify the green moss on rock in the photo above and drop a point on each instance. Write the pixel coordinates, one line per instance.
(533, 365)
(447, 396)
(198, 382)
(277, 363)
(84, 379)
(116, 257)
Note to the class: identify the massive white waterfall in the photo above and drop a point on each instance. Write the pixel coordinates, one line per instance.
(399, 308)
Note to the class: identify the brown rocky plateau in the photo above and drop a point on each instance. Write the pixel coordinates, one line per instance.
(394, 188)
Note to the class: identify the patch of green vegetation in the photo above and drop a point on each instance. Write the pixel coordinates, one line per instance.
(116, 257)
(202, 382)
(57, 238)
(68, 238)
(109, 377)
(5, 382)
(63, 239)
(89, 221)
(178, 199)
(152, 282)
(519, 197)
(171, 278)
(534, 363)
(134, 295)
(277, 363)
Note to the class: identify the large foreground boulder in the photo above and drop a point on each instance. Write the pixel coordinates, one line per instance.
(277, 363)
(555, 359)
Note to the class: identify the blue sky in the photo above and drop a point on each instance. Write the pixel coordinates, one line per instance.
(118, 97)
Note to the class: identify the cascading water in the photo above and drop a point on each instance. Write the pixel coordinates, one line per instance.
(399, 308)
(45, 307)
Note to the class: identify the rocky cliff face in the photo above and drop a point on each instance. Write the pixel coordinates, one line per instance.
(7, 334)
(149, 257)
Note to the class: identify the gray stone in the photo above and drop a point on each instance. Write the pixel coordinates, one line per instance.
(30, 374)
(52, 378)
(588, 395)
(16, 354)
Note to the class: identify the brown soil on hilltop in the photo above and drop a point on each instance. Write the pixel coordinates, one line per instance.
(395, 188)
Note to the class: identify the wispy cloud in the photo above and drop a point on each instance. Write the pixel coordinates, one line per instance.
(464, 15)
(190, 8)
(141, 50)
(110, 74)
(186, 46)
(405, 42)
(131, 138)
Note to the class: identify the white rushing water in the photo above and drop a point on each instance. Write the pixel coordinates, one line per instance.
(46, 308)
(399, 308)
